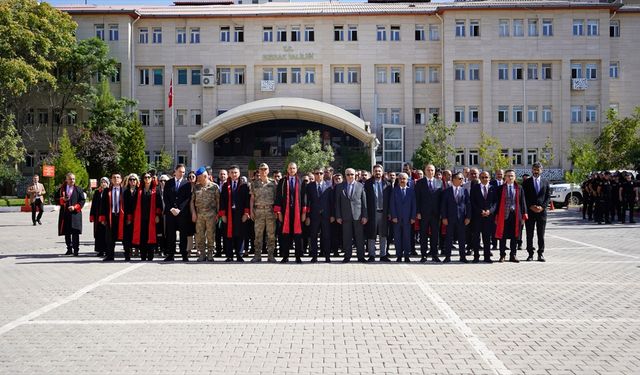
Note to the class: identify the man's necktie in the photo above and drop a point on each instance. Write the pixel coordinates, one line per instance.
(537, 185)
(484, 191)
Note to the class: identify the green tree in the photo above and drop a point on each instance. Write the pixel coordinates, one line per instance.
(308, 153)
(547, 157)
(11, 153)
(67, 161)
(356, 159)
(111, 115)
(584, 160)
(435, 148)
(164, 163)
(616, 141)
(490, 152)
(98, 152)
(132, 157)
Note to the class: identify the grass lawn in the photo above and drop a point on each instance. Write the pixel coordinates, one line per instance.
(11, 202)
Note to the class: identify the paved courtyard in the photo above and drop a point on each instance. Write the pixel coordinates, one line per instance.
(578, 313)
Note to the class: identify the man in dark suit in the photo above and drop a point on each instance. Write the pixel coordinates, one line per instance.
(177, 196)
(289, 206)
(428, 196)
(71, 200)
(483, 197)
(510, 213)
(402, 209)
(377, 191)
(113, 213)
(234, 212)
(537, 195)
(318, 202)
(351, 213)
(456, 215)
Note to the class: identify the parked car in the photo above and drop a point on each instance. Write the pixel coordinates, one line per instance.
(563, 194)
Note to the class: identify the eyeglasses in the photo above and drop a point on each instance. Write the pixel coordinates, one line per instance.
(318, 172)
(146, 177)
(192, 176)
(264, 169)
(350, 174)
(484, 177)
(132, 179)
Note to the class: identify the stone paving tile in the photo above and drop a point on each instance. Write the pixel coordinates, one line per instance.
(239, 349)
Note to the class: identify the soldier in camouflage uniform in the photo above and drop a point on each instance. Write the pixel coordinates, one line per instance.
(204, 207)
(263, 192)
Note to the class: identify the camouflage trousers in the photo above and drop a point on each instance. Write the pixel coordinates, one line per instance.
(265, 220)
(205, 235)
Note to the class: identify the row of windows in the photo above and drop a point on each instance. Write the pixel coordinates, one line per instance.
(534, 71)
(40, 117)
(535, 27)
(590, 114)
(184, 117)
(472, 157)
(517, 114)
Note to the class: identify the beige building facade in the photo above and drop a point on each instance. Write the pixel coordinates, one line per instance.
(526, 72)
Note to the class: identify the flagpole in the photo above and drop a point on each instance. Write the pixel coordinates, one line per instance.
(173, 128)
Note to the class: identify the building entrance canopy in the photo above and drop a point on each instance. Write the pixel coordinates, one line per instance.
(278, 109)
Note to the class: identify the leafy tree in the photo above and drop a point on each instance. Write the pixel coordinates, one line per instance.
(615, 143)
(435, 148)
(490, 152)
(356, 159)
(109, 114)
(547, 157)
(164, 163)
(67, 161)
(98, 151)
(132, 157)
(12, 151)
(308, 153)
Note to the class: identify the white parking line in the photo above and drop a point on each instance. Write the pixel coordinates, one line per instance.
(594, 246)
(267, 283)
(551, 321)
(26, 318)
(236, 321)
(480, 347)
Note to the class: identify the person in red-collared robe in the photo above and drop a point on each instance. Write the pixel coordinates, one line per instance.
(234, 212)
(291, 211)
(511, 212)
(148, 210)
(113, 215)
(71, 199)
(99, 226)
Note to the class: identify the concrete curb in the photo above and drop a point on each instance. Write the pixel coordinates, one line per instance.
(46, 208)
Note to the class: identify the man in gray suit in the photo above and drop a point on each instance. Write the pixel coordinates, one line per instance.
(351, 213)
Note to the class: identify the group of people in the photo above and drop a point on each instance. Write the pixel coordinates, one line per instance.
(318, 214)
(607, 195)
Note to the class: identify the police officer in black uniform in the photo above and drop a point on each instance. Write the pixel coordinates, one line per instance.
(628, 197)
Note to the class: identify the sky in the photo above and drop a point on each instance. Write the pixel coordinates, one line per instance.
(158, 2)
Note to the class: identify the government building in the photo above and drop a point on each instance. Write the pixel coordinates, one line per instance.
(249, 79)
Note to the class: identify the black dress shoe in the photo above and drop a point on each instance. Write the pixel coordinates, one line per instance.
(513, 260)
(501, 260)
(228, 260)
(529, 258)
(399, 259)
(127, 259)
(362, 260)
(407, 260)
(385, 259)
(169, 259)
(69, 252)
(446, 260)
(108, 259)
(475, 260)
(284, 260)
(314, 260)
(100, 254)
(327, 260)
(468, 252)
(240, 260)
(39, 222)
(346, 260)
(436, 259)
(371, 260)
(298, 260)
(185, 259)
(464, 260)
(541, 258)
(487, 260)
(34, 223)
(423, 260)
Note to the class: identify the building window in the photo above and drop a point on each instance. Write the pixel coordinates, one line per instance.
(99, 31)
(158, 117)
(157, 76)
(516, 157)
(576, 71)
(196, 117)
(29, 160)
(181, 117)
(434, 114)
(503, 28)
(532, 156)
(144, 117)
(459, 72)
(352, 75)
(338, 75)
(182, 76)
(532, 71)
(460, 25)
(143, 35)
(591, 113)
(474, 157)
(517, 71)
(72, 118)
(296, 75)
(30, 117)
(592, 27)
(395, 116)
(518, 28)
(503, 72)
(517, 113)
(434, 32)
(614, 106)
(115, 78)
(578, 27)
(381, 75)
(614, 29)
(474, 72)
(238, 34)
(310, 75)
(181, 35)
(182, 157)
(532, 27)
(114, 32)
(282, 75)
(281, 34)
(503, 113)
(225, 34)
(592, 71)
(474, 114)
(474, 28)
(43, 117)
(352, 33)
(224, 76)
(295, 33)
(395, 75)
(195, 76)
(546, 114)
(419, 33)
(267, 74)
(614, 69)
(338, 33)
(157, 35)
(395, 33)
(267, 34)
(547, 27)
(458, 115)
(576, 113)
(393, 149)
(381, 116)
(144, 76)
(194, 35)
(419, 116)
(419, 75)
(546, 71)
(532, 114)
(309, 34)
(459, 158)
(381, 33)
(434, 74)
(238, 76)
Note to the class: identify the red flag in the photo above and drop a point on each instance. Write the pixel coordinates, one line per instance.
(171, 93)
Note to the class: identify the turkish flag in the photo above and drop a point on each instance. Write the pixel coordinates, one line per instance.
(171, 93)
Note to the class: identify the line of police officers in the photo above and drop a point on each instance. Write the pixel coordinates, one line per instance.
(609, 195)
